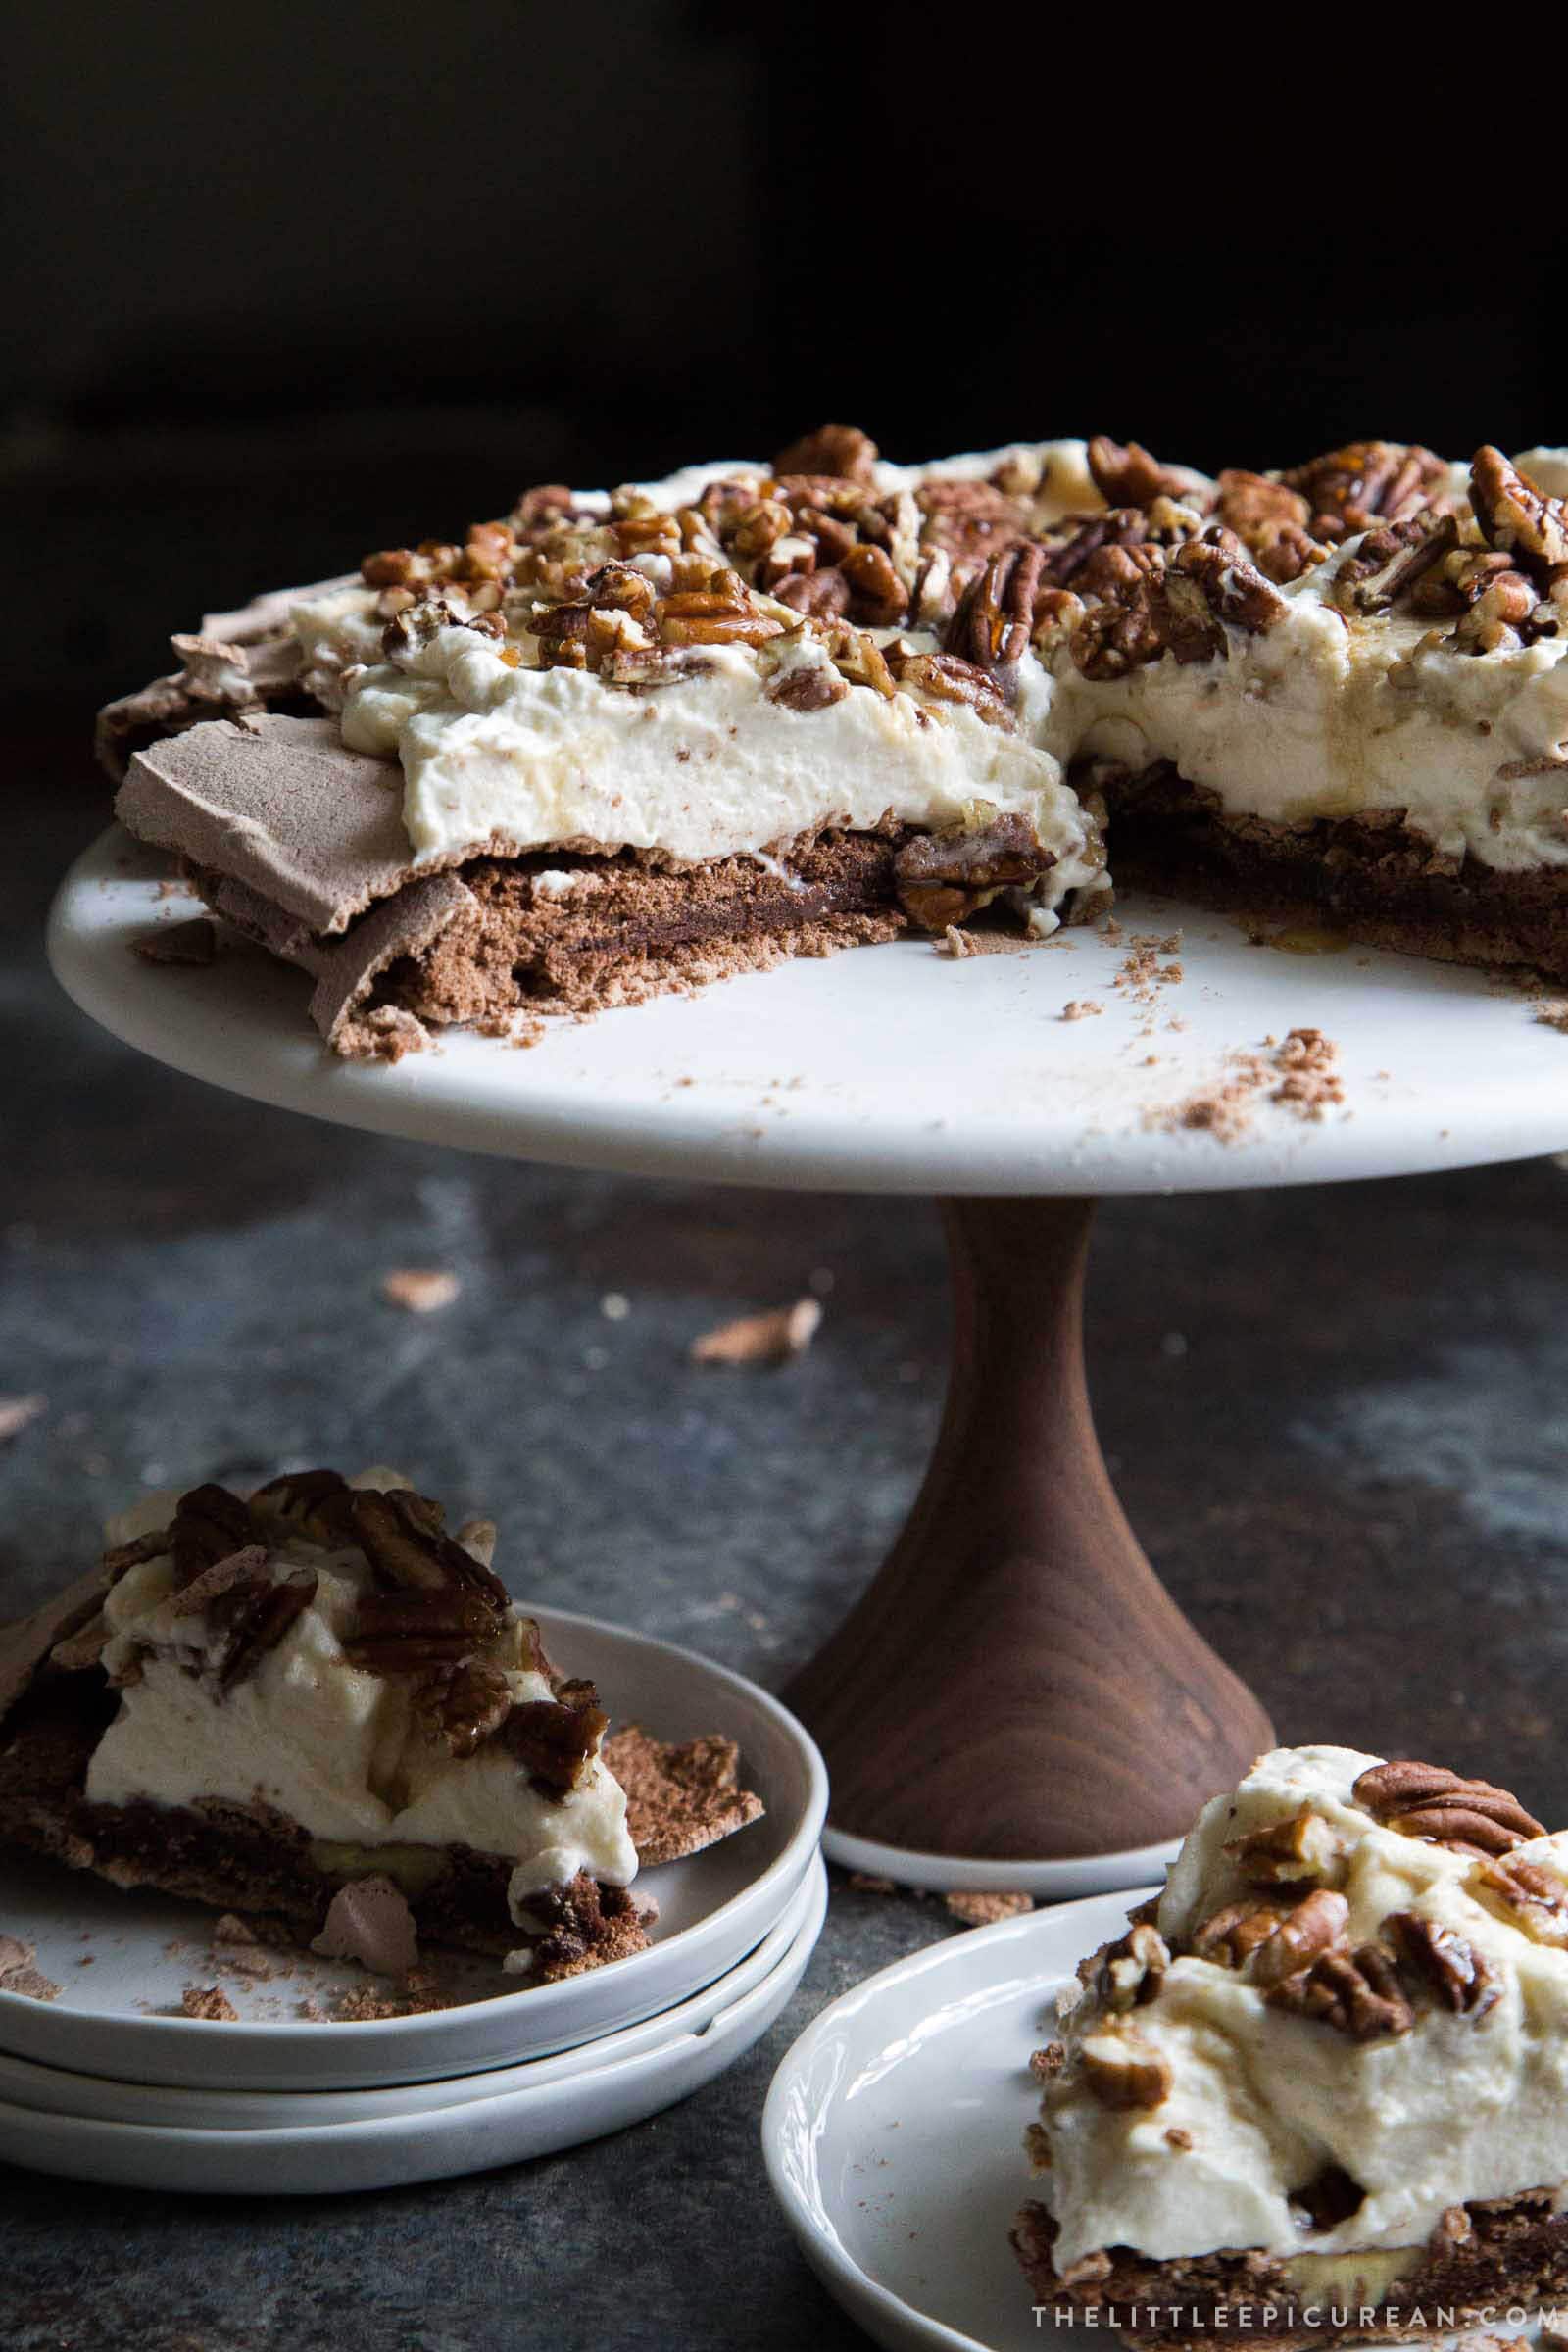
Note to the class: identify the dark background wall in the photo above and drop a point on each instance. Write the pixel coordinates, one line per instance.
(288, 283)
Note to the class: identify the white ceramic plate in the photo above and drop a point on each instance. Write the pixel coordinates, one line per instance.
(425, 2144)
(892, 2132)
(893, 1069)
(99, 2098)
(114, 2018)
(1046, 1881)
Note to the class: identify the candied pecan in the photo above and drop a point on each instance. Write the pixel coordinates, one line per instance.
(416, 1632)
(877, 595)
(311, 1500)
(1235, 592)
(830, 535)
(1391, 560)
(466, 1705)
(1113, 639)
(1129, 1974)
(1351, 488)
(1427, 1801)
(721, 613)
(1528, 1898)
(1258, 509)
(401, 1535)
(859, 659)
(841, 450)
(1231, 1934)
(1517, 518)
(942, 878)
(751, 532)
(209, 1524)
(1312, 1927)
(1357, 1992)
(948, 679)
(996, 614)
(553, 1738)
(1126, 475)
(253, 1616)
(968, 518)
(819, 595)
(1183, 618)
(1500, 616)
(808, 688)
(1303, 1846)
(542, 509)
(1121, 2069)
(1461, 1976)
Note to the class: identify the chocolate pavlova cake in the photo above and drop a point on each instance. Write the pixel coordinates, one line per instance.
(612, 744)
(1319, 2090)
(259, 1701)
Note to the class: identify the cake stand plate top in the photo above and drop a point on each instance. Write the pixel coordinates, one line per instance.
(891, 1069)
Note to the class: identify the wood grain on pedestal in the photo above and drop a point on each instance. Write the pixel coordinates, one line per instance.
(1016, 1684)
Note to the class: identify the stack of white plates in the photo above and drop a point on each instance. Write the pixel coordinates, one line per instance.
(112, 2082)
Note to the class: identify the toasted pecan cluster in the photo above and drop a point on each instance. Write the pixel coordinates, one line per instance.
(1288, 1932)
(433, 1614)
(637, 593)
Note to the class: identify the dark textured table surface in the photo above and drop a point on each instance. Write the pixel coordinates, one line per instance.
(1337, 1418)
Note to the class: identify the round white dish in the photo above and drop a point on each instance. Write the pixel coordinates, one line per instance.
(892, 2131)
(114, 2018)
(424, 2143)
(1048, 1882)
(99, 2098)
(891, 1069)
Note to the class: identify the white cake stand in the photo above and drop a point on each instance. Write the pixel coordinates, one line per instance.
(1015, 1701)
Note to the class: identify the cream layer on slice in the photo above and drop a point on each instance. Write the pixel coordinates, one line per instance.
(1327, 712)
(1242, 2091)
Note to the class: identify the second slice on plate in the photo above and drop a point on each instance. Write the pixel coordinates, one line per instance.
(314, 1705)
(1320, 2087)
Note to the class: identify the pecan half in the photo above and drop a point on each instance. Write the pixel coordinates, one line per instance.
(1461, 1976)
(1528, 1898)
(554, 1740)
(402, 1537)
(1129, 1973)
(841, 450)
(1427, 1801)
(310, 1500)
(877, 595)
(819, 595)
(1517, 518)
(1230, 1936)
(1350, 489)
(996, 614)
(1390, 562)
(1305, 1846)
(808, 688)
(943, 878)
(1357, 1993)
(948, 678)
(418, 1633)
(254, 1617)
(1126, 475)
(465, 1706)
(1120, 2069)
(1309, 1931)
(1236, 591)
(209, 1524)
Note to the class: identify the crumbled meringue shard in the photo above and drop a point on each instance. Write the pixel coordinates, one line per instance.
(1346, 2020)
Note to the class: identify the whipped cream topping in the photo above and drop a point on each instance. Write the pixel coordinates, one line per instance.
(339, 1751)
(1327, 714)
(1263, 2099)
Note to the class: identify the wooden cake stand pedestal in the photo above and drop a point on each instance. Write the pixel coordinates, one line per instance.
(1016, 1702)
